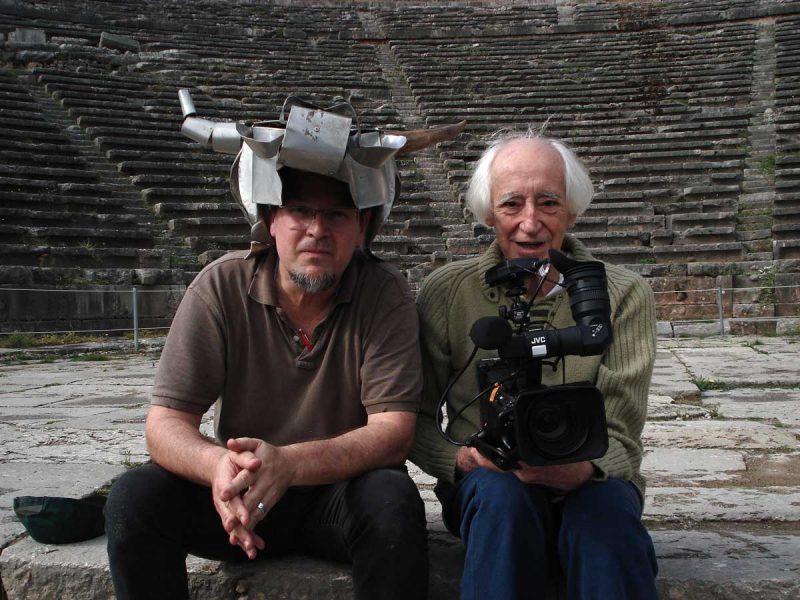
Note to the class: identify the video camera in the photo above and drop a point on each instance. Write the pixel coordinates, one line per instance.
(521, 419)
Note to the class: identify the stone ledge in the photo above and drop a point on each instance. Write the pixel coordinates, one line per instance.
(693, 564)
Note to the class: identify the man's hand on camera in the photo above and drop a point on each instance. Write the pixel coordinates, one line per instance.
(559, 477)
(468, 458)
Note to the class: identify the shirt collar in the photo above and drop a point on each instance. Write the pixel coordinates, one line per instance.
(493, 255)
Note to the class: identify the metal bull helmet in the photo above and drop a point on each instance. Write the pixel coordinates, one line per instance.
(323, 141)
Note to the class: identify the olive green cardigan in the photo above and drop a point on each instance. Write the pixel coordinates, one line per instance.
(454, 296)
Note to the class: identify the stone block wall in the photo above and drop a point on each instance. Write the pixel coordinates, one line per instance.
(687, 114)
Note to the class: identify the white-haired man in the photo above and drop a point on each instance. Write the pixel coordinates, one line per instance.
(520, 526)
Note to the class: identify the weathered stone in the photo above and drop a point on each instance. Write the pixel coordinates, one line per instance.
(717, 434)
(118, 42)
(27, 36)
(764, 364)
(722, 504)
(767, 404)
(664, 407)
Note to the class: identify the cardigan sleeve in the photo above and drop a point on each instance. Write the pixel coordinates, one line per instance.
(432, 453)
(624, 378)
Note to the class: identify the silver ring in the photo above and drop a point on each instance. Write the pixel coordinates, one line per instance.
(262, 508)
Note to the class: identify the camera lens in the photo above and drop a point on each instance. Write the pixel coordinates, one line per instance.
(556, 430)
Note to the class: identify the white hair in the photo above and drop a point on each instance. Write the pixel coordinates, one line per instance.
(577, 182)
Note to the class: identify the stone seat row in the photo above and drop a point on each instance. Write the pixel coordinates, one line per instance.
(46, 255)
(717, 82)
(581, 52)
(50, 196)
(577, 55)
(36, 216)
(585, 122)
(668, 12)
(88, 232)
(482, 111)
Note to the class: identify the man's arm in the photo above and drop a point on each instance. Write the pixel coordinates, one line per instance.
(431, 452)
(384, 441)
(176, 444)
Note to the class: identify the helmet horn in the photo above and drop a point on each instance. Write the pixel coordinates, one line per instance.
(418, 139)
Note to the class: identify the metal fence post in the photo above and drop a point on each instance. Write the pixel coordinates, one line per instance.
(135, 321)
(721, 311)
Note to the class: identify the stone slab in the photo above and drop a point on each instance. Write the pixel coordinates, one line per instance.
(697, 565)
(132, 418)
(690, 466)
(772, 404)
(765, 365)
(664, 407)
(672, 378)
(66, 445)
(73, 480)
(717, 434)
(731, 564)
(694, 504)
(88, 417)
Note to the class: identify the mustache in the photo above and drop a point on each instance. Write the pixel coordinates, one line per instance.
(316, 246)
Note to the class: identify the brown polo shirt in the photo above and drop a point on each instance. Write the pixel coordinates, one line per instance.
(230, 344)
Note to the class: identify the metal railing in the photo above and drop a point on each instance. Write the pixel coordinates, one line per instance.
(135, 293)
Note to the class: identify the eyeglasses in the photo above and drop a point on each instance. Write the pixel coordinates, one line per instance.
(300, 216)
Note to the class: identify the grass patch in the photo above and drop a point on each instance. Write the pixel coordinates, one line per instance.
(128, 463)
(90, 357)
(705, 385)
(766, 166)
(33, 340)
(754, 346)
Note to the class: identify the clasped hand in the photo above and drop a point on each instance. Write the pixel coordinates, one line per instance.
(560, 477)
(249, 473)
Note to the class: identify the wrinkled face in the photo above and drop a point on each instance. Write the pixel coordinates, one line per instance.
(529, 205)
(316, 232)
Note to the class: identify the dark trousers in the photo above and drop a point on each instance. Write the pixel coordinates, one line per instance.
(375, 521)
(519, 537)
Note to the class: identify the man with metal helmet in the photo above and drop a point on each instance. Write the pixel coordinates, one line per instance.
(306, 346)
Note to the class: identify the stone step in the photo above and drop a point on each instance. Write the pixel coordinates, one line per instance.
(48, 218)
(30, 255)
(90, 237)
(732, 251)
(729, 563)
(72, 276)
(212, 226)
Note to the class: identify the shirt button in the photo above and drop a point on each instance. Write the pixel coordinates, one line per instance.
(296, 338)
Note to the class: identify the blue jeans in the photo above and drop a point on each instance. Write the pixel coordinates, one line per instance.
(520, 537)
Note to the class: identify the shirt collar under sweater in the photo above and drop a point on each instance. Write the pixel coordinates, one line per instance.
(572, 247)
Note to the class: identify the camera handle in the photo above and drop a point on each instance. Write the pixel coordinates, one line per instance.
(500, 458)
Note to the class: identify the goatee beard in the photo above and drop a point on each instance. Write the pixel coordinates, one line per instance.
(313, 285)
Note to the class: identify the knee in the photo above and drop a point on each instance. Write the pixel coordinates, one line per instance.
(388, 504)
(605, 515)
(500, 494)
(138, 493)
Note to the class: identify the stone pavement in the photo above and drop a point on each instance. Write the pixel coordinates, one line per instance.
(722, 461)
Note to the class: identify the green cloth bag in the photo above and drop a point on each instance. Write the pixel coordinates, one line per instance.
(53, 520)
